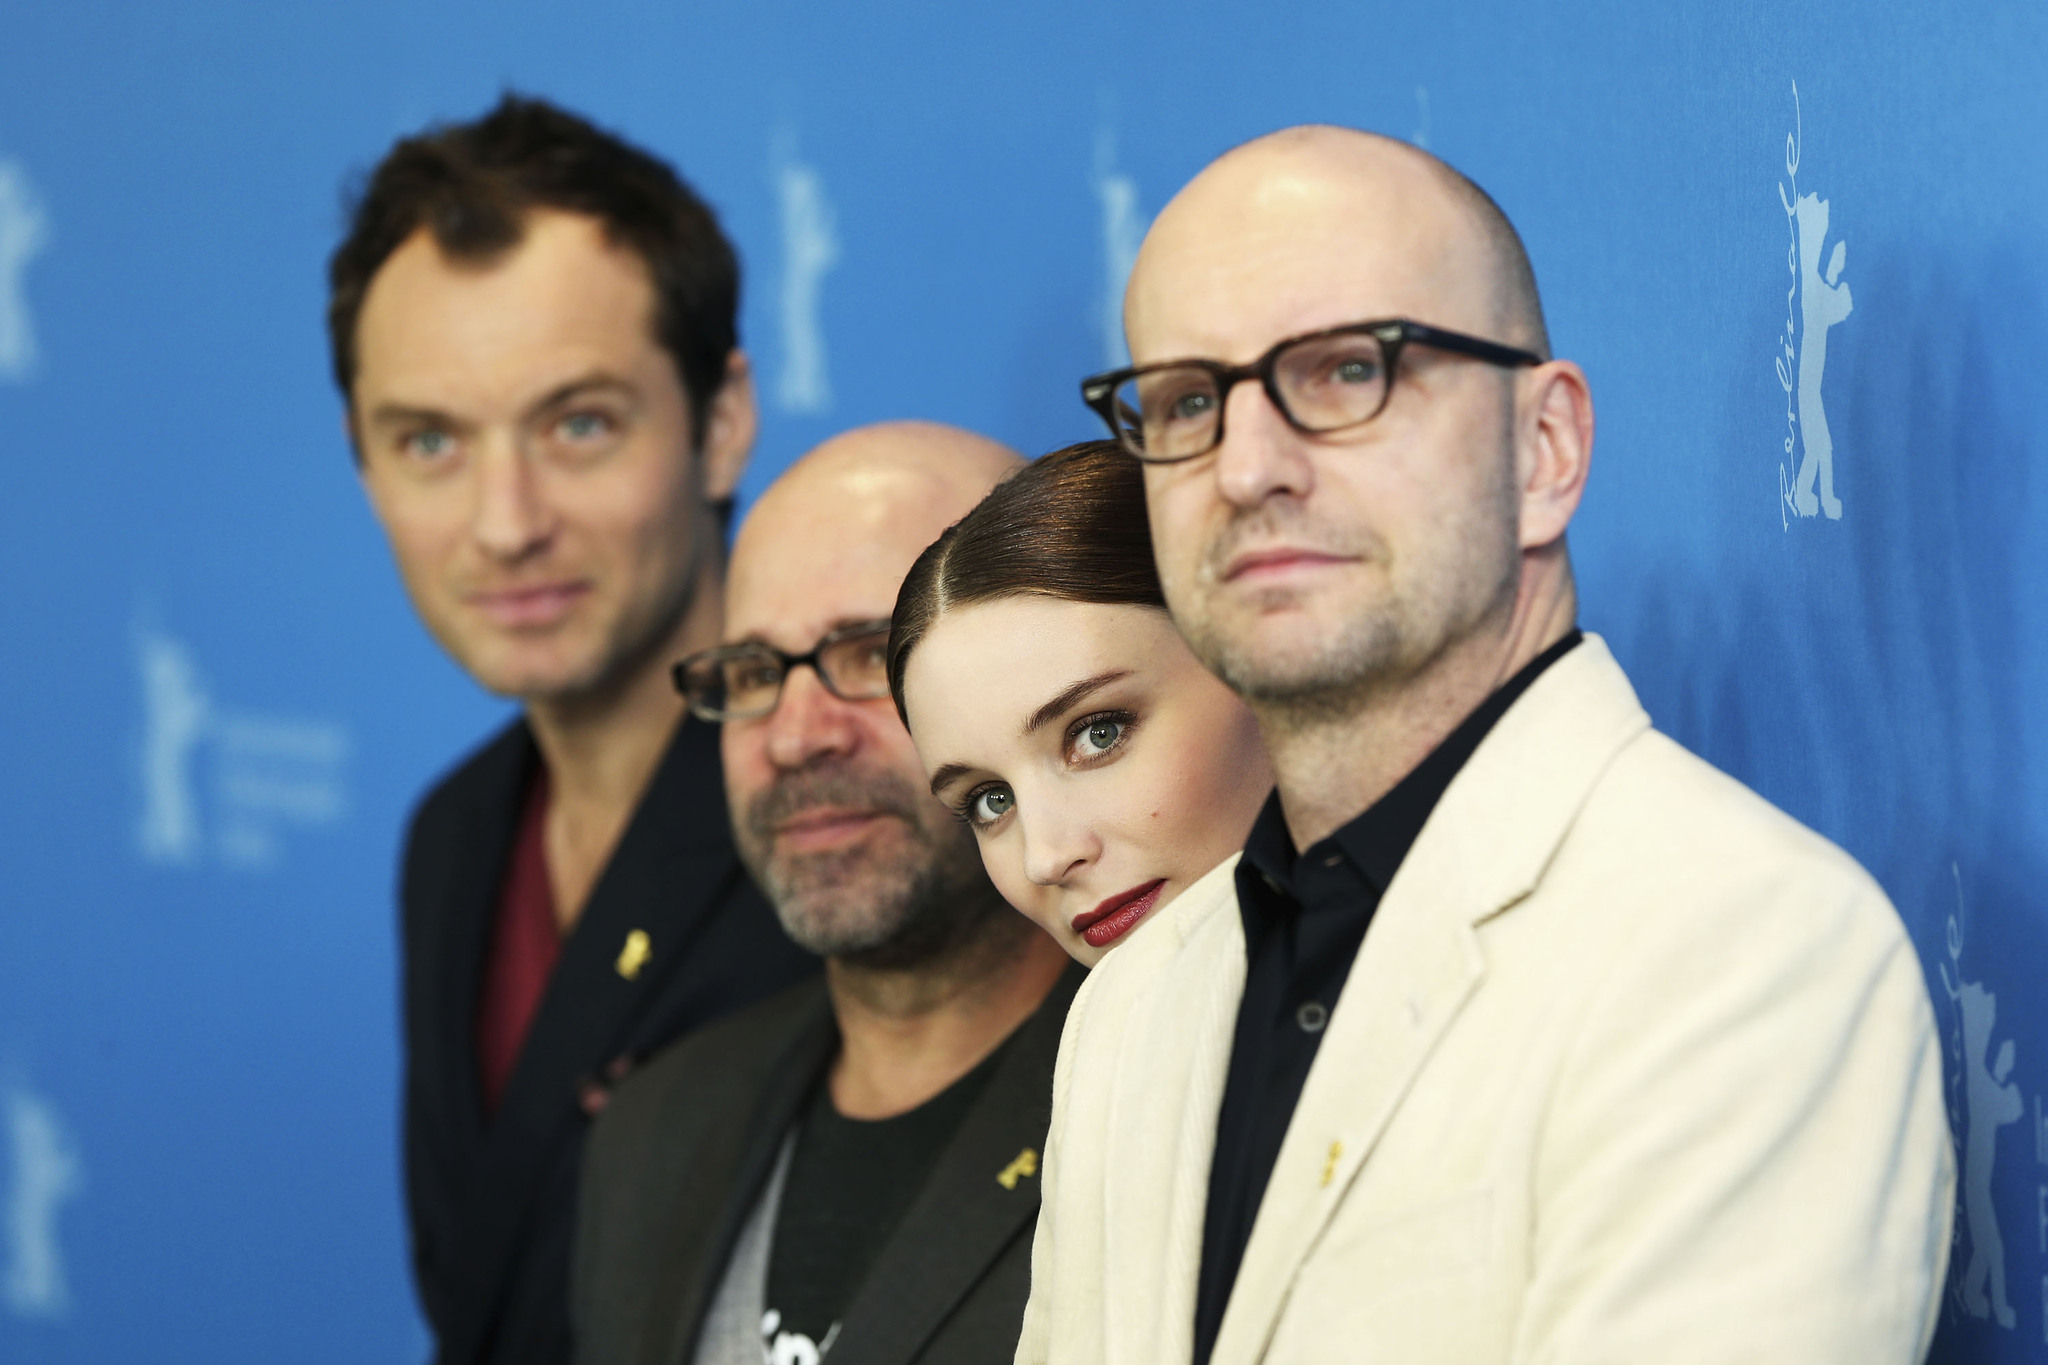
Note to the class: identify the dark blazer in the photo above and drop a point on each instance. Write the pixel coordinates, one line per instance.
(684, 1151)
(492, 1202)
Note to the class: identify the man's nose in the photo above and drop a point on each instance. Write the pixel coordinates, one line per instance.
(809, 722)
(1057, 847)
(512, 515)
(1261, 455)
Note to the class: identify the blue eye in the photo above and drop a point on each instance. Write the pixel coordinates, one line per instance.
(429, 444)
(1100, 737)
(990, 804)
(585, 426)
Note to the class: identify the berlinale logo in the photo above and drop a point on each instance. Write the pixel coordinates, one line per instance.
(223, 782)
(810, 248)
(24, 232)
(1989, 1100)
(1123, 228)
(44, 1173)
(1816, 298)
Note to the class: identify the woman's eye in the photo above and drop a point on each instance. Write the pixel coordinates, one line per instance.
(990, 804)
(1097, 737)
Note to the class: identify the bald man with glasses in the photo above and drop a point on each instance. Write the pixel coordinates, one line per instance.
(847, 1171)
(1516, 1033)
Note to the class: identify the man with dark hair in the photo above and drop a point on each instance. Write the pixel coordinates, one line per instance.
(533, 327)
(848, 1171)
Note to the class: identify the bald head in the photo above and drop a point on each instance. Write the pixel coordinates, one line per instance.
(1339, 199)
(832, 538)
(1321, 572)
(830, 809)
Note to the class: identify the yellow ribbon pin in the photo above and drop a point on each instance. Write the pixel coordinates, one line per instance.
(1026, 1164)
(634, 955)
(1330, 1165)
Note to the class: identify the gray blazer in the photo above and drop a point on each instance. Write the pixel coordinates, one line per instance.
(683, 1151)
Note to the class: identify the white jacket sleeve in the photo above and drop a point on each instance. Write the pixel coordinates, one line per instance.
(1747, 1158)
(1034, 1346)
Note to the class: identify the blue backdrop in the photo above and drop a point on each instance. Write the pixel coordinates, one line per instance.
(1781, 243)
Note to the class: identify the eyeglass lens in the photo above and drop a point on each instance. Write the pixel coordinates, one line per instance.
(746, 682)
(1324, 383)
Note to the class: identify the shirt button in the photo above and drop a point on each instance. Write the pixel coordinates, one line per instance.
(1311, 1017)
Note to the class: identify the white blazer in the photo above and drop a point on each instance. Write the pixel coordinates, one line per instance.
(1630, 1068)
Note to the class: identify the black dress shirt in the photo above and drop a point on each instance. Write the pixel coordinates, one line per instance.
(1304, 917)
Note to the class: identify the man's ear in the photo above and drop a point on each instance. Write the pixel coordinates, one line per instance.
(730, 429)
(1553, 449)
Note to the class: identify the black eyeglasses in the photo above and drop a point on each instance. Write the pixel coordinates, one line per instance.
(1322, 382)
(744, 682)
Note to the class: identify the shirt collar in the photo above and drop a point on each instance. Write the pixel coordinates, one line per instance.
(1269, 848)
(1377, 841)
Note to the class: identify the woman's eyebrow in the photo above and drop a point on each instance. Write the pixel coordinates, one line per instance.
(947, 775)
(1071, 695)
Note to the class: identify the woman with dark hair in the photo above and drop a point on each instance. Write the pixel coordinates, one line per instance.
(1102, 768)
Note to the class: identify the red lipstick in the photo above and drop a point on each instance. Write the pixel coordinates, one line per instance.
(1115, 917)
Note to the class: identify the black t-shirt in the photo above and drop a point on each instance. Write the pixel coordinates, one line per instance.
(850, 1182)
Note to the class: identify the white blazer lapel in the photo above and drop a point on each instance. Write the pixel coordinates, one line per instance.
(1169, 1089)
(1148, 1081)
(1412, 977)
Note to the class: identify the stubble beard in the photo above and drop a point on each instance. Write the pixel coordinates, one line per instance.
(885, 904)
(639, 632)
(1328, 670)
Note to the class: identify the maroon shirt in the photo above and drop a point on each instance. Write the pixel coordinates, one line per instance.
(525, 943)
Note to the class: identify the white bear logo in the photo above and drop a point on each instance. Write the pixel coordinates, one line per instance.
(24, 232)
(1123, 228)
(1823, 302)
(45, 1174)
(220, 782)
(810, 248)
(1816, 299)
(1990, 1101)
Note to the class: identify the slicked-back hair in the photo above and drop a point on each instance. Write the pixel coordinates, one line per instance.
(1070, 525)
(473, 185)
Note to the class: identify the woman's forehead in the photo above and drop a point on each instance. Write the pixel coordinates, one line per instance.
(997, 661)
(1040, 631)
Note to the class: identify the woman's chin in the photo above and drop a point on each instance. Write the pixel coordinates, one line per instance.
(1082, 952)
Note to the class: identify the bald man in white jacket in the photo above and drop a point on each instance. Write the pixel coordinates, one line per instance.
(1617, 1063)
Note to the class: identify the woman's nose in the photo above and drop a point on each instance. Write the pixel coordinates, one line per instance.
(1055, 848)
